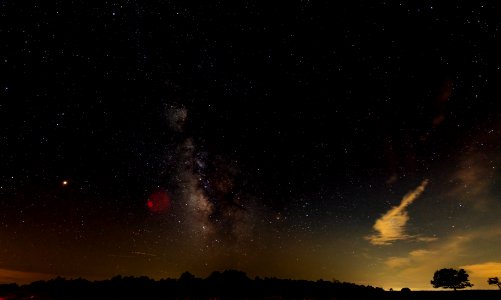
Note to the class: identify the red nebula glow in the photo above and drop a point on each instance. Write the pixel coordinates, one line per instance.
(158, 201)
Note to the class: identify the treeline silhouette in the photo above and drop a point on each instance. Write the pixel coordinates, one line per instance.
(230, 284)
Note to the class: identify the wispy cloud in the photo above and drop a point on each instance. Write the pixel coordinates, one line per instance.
(397, 262)
(415, 269)
(474, 177)
(391, 226)
(481, 271)
(426, 238)
(413, 256)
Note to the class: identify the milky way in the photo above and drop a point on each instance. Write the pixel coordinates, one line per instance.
(219, 217)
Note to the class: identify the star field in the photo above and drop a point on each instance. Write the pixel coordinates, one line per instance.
(355, 141)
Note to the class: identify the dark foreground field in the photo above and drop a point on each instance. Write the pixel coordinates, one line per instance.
(444, 295)
(226, 285)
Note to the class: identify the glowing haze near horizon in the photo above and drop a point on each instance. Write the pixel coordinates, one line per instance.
(356, 142)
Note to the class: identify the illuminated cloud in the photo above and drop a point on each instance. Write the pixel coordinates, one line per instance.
(426, 238)
(397, 262)
(412, 258)
(469, 202)
(415, 269)
(421, 253)
(480, 272)
(391, 226)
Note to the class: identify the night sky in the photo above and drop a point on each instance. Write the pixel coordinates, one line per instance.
(355, 141)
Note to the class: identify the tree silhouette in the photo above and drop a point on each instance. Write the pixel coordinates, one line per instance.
(494, 281)
(227, 285)
(186, 277)
(451, 279)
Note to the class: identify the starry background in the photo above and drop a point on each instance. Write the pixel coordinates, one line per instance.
(357, 141)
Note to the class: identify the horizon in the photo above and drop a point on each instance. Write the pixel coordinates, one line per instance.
(51, 277)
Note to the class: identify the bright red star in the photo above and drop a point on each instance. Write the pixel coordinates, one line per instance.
(158, 201)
